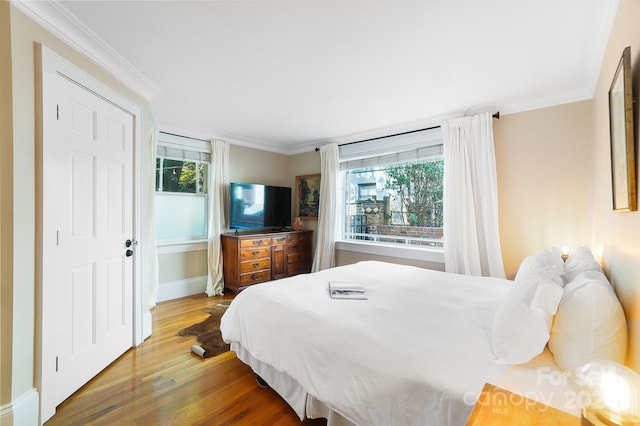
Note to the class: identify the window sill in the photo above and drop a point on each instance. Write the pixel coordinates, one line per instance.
(167, 247)
(435, 255)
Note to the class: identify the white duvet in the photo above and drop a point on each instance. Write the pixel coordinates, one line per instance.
(416, 352)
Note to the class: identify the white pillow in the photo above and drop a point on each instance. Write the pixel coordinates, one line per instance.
(579, 261)
(590, 323)
(520, 329)
(533, 266)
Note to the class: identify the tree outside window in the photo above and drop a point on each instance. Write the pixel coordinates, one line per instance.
(181, 176)
(399, 203)
(418, 187)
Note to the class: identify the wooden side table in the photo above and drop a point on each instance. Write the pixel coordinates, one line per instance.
(499, 407)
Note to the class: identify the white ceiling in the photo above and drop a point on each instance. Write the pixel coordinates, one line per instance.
(286, 75)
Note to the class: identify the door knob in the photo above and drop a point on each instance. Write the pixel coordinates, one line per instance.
(130, 243)
(129, 253)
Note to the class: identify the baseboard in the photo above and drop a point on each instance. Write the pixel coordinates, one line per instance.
(22, 411)
(180, 288)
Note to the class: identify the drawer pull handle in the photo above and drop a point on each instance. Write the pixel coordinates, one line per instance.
(255, 252)
(281, 239)
(255, 265)
(255, 277)
(257, 242)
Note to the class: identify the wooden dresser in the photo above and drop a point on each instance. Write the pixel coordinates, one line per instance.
(258, 257)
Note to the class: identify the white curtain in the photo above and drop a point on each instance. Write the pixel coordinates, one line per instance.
(218, 200)
(328, 209)
(148, 245)
(471, 237)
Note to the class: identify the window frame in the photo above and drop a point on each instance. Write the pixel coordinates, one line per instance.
(427, 254)
(176, 245)
(362, 154)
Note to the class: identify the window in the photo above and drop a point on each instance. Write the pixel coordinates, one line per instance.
(393, 189)
(181, 176)
(182, 179)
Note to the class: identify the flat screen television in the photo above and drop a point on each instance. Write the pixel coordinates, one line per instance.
(255, 206)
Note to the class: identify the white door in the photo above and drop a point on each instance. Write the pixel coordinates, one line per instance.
(88, 199)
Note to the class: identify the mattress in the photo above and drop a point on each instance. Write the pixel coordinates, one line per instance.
(416, 351)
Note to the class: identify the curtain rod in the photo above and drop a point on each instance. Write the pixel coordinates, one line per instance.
(183, 136)
(496, 116)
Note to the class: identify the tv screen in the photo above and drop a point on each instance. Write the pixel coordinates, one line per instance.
(259, 206)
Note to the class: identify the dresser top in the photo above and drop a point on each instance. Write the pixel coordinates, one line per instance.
(264, 233)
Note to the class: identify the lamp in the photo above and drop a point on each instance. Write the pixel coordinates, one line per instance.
(565, 252)
(614, 394)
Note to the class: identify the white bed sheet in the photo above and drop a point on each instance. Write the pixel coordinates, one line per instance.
(417, 351)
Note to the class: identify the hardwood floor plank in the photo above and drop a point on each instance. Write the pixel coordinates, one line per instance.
(162, 382)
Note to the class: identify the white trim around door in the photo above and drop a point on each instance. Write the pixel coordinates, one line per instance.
(51, 63)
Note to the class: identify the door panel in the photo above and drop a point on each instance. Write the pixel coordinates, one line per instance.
(116, 317)
(116, 134)
(82, 195)
(82, 290)
(91, 180)
(115, 203)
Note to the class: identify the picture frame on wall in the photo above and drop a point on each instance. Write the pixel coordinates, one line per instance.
(623, 168)
(307, 196)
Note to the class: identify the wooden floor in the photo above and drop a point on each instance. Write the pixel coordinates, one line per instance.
(162, 383)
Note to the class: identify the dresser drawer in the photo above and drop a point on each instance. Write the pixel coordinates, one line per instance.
(295, 246)
(254, 265)
(255, 277)
(301, 256)
(257, 242)
(255, 253)
(298, 239)
(279, 241)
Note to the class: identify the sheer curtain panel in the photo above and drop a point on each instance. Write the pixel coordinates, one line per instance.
(471, 235)
(328, 209)
(218, 200)
(149, 250)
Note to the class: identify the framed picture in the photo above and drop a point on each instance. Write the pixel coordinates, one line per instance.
(307, 196)
(623, 169)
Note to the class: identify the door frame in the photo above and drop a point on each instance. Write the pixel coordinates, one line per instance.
(48, 65)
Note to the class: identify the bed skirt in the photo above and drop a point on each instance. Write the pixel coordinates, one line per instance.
(305, 405)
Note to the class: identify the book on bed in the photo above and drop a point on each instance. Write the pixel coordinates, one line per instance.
(346, 290)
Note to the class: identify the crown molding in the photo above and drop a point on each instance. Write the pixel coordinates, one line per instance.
(545, 100)
(560, 96)
(52, 16)
(393, 129)
(594, 57)
(167, 126)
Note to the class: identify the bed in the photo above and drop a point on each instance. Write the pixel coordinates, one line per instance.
(418, 350)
